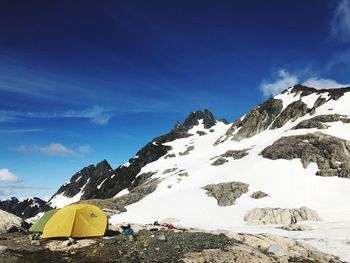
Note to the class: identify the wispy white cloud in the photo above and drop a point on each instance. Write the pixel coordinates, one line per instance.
(340, 23)
(25, 187)
(286, 80)
(8, 177)
(320, 83)
(20, 130)
(54, 149)
(97, 115)
(84, 149)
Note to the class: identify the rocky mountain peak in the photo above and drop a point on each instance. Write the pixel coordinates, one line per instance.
(194, 117)
(334, 94)
(26, 208)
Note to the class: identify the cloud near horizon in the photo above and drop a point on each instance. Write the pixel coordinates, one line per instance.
(8, 177)
(57, 149)
(286, 80)
(340, 23)
(96, 115)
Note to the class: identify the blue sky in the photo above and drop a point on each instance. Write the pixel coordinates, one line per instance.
(83, 81)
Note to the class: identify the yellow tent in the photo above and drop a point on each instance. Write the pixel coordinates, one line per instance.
(78, 220)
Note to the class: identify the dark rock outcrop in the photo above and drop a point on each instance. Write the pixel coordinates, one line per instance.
(331, 154)
(334, 94)
(226, 193)
(293, 111)
(219, 161)
(112, 182)
(26, 208)
(194, 117)
(236, 154)
(187, 151)
(318, 121)
(136, 194)
(256, 121)
(87, 179)
(258, 195)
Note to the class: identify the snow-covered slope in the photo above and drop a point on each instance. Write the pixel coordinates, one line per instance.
(294, 147)
(288, 183)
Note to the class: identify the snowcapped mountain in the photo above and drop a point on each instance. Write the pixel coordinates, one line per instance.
(290, 156)
(26, 208)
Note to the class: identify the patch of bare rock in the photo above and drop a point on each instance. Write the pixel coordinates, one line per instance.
(258, 195)
(330, 153)
(280, 216)
(226, 193)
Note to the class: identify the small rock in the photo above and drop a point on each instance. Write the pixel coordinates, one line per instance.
(71, 240)
(296, 227)
(35, 242)
(162, 238)
(278, 251)
(66, 243)
(258, 195)
(3, 249)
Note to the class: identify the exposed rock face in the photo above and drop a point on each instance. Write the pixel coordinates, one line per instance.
(25, 209)
(141, 179)
(309, 124)
(219, 161)
(226, 193)
(236, 154)
(187, 151)
(194, 117)
(112, 182)
(88, 178)
(293, 111)
(331, 154)
(318, 121)
(201, 133)
(9, 221)
(334, 94)
(284, 216)
(257, 120)
(119, 203)
(258, 195)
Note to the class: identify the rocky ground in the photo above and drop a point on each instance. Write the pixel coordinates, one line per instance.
(161, 246)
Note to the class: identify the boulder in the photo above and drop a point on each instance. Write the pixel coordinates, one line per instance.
(226, 193)
(258, 195)
(331, 153)
(280, 216)
(3, 249)
(219, 161)
(9, 221)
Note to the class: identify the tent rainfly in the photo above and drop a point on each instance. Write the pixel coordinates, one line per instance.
(77, 220)
(40, 224)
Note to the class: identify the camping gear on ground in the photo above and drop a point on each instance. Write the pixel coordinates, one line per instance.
(127, 230)
(77, 220)
(171, 228)
(40, 224)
